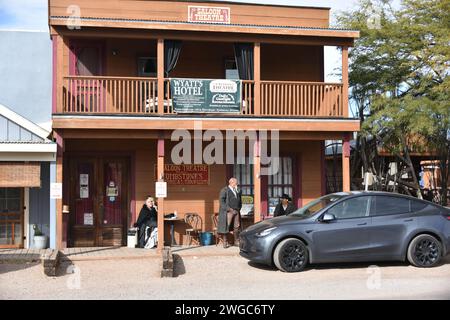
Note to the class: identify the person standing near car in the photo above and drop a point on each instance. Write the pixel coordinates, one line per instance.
(284, 207)
(230, 199)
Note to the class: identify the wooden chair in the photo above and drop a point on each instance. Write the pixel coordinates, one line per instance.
(194, 221)
(215, 224)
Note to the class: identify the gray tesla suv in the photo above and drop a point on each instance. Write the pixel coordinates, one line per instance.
(351, 227)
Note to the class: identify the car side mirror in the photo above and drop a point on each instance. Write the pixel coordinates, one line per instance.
(328, 217)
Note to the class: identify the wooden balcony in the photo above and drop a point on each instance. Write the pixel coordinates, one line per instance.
(132, 95)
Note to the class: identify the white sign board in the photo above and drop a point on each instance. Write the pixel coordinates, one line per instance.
(89, 219)
(56, 190)
(161, 190)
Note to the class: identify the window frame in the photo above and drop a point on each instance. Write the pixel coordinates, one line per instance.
(366, 215)
(388, 214)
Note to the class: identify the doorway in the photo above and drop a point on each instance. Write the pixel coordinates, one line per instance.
(11, 217)
(99, 195)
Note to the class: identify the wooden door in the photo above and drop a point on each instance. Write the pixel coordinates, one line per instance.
(86, 60)
(113, 202)
(100, 196)
(11, 217)
(83, 200)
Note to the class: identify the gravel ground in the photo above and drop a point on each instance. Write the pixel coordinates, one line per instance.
(231, 277)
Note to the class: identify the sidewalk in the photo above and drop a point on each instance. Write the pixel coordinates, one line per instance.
(112, 253)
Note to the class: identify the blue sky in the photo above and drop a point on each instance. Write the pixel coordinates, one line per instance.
(32, 15)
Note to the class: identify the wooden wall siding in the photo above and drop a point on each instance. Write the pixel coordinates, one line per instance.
(178, 11)
(202, 199)
(292, 62)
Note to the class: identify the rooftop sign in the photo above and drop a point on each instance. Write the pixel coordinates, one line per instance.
(209, 14)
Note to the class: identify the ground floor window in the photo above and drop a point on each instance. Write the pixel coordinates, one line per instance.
(277, 184)
(280, 183)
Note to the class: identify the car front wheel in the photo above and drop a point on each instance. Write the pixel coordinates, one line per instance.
(424, 251)
(291, 255)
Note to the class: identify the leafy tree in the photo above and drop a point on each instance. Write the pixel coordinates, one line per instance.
(399, 83)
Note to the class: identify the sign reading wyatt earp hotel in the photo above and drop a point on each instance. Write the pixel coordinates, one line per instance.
(205, 96)
(208, 14)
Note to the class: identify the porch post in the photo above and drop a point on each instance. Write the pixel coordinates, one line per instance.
(160, 177)
(160, 75)
(346, 163)
(257, 180)
(59, 202)
(257, 76)
(345, 81)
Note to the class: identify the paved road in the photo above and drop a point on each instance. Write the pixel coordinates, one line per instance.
(228, 277)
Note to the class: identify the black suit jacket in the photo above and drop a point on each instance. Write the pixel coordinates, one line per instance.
(279, 210)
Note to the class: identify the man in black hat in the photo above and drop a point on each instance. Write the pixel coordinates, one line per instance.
(284, 207)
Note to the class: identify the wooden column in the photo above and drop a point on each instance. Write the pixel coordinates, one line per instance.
(58, 48)
(59, 202)
(346, 163)
(345, 81)
(160, 74)
(257, 180)
(257, 76)
(160, 177)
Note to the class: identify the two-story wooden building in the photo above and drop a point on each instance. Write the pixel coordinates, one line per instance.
(113, 61)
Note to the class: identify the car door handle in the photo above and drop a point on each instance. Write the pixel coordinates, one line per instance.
(362, 224)
(408, 220)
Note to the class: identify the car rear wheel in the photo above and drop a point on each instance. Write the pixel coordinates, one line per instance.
(291, 255)
(424, 251)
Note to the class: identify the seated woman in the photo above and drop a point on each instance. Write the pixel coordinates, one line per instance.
(147, 221)
(284, 207)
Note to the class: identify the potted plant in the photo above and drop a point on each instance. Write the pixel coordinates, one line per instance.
(40, 239)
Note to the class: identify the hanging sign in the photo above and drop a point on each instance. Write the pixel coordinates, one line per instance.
(206, 96)
(161, 189)
(209, 14)
(88, 219)
(56, 190)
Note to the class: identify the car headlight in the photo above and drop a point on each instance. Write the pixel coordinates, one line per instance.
(265, 232)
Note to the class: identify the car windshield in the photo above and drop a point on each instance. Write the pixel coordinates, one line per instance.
(315, 206)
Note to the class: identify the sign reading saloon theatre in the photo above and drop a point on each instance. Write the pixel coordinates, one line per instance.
(209, 14)
(205, 96)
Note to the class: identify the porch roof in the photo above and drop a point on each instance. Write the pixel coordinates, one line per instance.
(208, 27)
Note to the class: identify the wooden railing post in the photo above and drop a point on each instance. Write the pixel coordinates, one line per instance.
(345, 105)
(257, 77)
(160, 72)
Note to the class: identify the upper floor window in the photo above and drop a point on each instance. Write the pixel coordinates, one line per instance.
(231, 70)
(147, 67)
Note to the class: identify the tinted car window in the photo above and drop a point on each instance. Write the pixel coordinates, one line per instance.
(386, 205)
(417, 205)
(351, 208)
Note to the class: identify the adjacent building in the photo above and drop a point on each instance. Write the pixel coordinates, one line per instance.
(27, 155)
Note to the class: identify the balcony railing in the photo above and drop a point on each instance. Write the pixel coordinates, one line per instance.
(126, 95)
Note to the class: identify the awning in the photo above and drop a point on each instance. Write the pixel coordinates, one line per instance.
(20, 174)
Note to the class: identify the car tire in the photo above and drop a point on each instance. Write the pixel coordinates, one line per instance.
(424, 251)
(291, 255)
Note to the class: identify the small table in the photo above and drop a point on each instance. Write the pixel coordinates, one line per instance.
(172, 229)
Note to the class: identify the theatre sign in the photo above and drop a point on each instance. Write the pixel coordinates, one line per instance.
(209, 14)
(206, 96)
